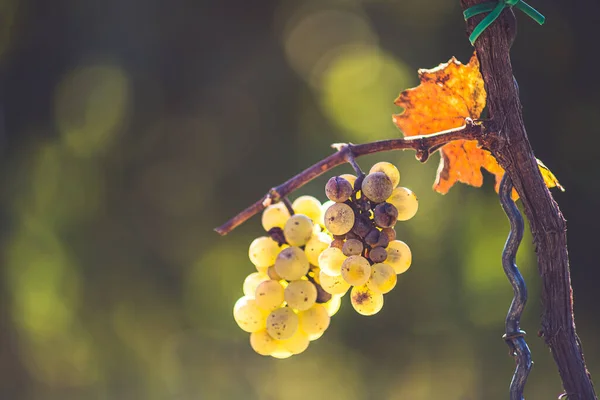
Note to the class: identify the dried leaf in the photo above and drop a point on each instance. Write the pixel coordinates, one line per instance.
(447, 95)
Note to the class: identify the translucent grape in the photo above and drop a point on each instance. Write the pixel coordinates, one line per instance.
(377, 187)
(269, 295)
(338, 189)
(365, 301)
(315, 246)
(275, 215)
(339, 219)
(314, 321)
(282, 323)
(333, 284)
(333, 305)
(324, 209)
(301, 294)
(291, 263)
(281, 352)
(383, 278)
(352, 247)
(331, 260)
(248, 315)
(389, 169)
(263, 251)
(297, 344)
(298, 230)
(252, 281)
(406, 203)
(399, 256)
(356, 270)
(262, 343)
(385, 215)
(309, 206)
(349, 177)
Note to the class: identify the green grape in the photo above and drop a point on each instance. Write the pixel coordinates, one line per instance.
(383, 278)
(349, 177)
(333, 284)
(338, 189)
(314, 321)
(291, 263)
(356, 270)
(333, 306)
(275, 216)
(248, 315)
(339, 219)
(262, 343)
(297, 344)
(309, 206)
(406, 203)
(298, 230)
(331, 260)
(263, 251)
(324, 207)
(269, 295)
(301, 294)
(377, 187)
(365, 301)
(282, 323)
(252, 281)
(389, 169)
(315, 246)
(399, 256)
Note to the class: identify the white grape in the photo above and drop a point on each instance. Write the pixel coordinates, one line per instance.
(333, 305)
(315, 246)
(365, 301)
(389, 169)
(399, 256)
(282, 323)
(275, 216)
(405, 201)
(339, 219)
(309, 206)
(248, 315)
(298, 229)
(291, 263)
(297, 344)
(269, 295)
(333, 284)
(252, 281)
(383, 278)
(331, 260)
(356, 270)
(262, 343)
(263, 251)
(314, 321)
(301, 294)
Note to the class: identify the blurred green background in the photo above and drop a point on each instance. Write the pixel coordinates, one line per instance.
(130, 129)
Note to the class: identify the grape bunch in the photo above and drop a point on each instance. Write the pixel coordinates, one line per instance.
(365, 254)
(311, 257)
(284, 307)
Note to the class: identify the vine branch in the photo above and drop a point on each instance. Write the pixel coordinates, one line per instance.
(424, 145)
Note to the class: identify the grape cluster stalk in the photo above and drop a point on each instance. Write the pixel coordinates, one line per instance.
(312, 254)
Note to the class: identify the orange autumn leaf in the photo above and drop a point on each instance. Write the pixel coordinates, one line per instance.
(447, 95)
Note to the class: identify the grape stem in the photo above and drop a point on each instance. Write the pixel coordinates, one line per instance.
(424, 145)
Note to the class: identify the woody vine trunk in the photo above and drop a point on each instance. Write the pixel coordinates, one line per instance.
(512, 149)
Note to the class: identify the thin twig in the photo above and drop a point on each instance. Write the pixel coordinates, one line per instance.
(423, 145)
(514, 336)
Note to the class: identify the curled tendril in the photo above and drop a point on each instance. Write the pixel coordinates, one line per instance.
(514, 336)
